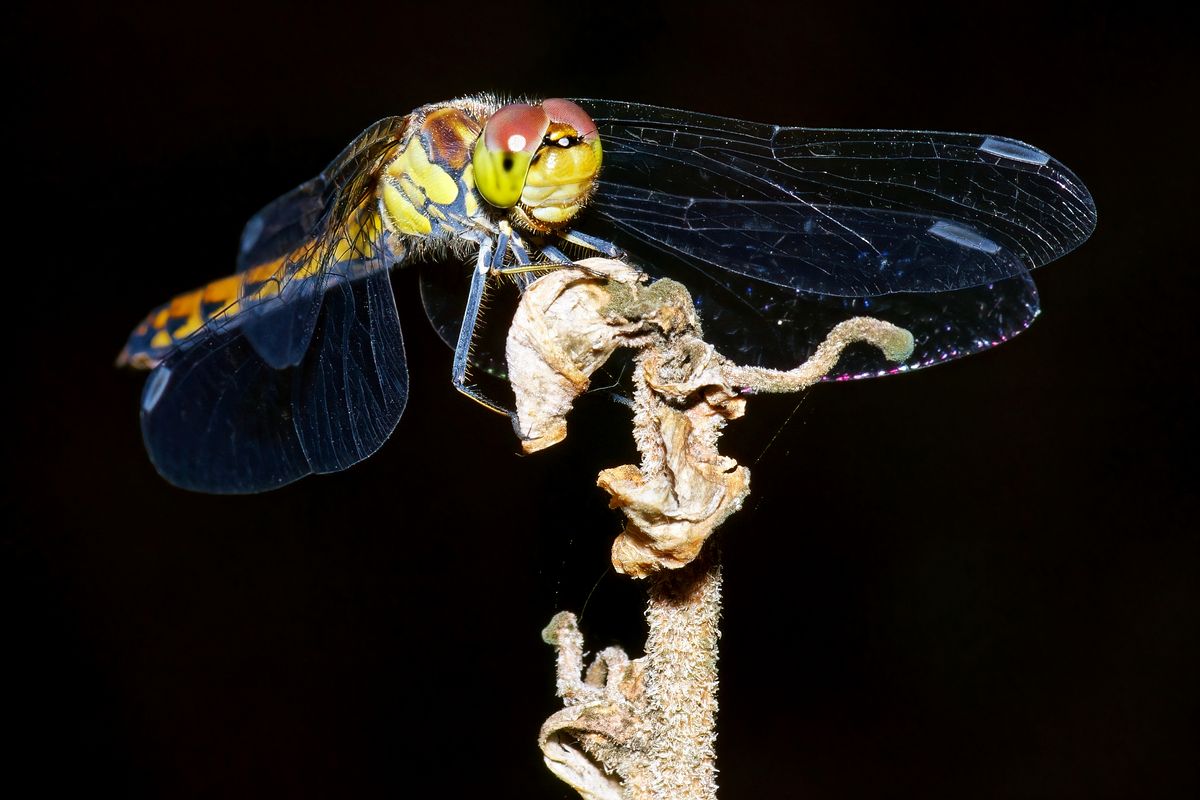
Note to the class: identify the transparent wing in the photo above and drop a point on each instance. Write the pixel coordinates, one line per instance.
(327, 221)
(766, 325)
(444, 295)
(216, 417)
(284, 224)
(835, 212)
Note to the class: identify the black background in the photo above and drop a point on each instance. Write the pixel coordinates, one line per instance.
(978, 580)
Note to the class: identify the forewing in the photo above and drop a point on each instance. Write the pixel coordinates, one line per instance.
(216, 417)
(285, 223)
(835, 212)
(329, 224)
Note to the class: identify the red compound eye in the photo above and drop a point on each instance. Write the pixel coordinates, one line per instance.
(568, 113)
(518, 127)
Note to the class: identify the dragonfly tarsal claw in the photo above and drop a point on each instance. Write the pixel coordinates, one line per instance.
(483, 400)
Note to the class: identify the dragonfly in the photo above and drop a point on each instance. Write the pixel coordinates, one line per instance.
(295, 364)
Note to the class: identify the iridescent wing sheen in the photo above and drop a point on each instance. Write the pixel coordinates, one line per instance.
(327, 225)
(781, 232)
(217, 417)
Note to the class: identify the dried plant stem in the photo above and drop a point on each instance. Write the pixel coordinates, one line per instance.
(644, 729)
(681, 681)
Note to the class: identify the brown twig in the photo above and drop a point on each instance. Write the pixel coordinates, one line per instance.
(644, 729)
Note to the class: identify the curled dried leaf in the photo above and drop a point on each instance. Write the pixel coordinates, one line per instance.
(572, 320)
(557, 339)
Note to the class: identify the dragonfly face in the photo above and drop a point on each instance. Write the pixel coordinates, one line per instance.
(542, 161)
(295, 364)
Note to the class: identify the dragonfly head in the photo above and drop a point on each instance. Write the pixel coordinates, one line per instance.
(539, 160)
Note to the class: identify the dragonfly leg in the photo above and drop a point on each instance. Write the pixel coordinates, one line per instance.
(591, 243)
(555, 255)
(516, 245)
(525, 271)
(490, 261)
(484, 265)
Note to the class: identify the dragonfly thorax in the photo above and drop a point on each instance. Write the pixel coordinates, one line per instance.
(466, 160)
(426, 188)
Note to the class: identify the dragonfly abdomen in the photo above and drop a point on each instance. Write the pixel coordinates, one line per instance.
(354, 253)
(171, 323)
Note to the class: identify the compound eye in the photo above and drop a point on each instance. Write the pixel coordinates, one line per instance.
(504, 151)
(570, 114)
(571, 125)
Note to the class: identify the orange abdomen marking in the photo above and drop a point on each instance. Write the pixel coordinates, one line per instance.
(168, 325)
(355, 251)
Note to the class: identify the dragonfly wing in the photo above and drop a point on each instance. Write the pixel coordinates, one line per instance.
(217, 417)
(354, 384)
(281, 327)
(444, 296)
(288, 222)
(836, 212)
(328, 223)
(765, 325)
(283, 224)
